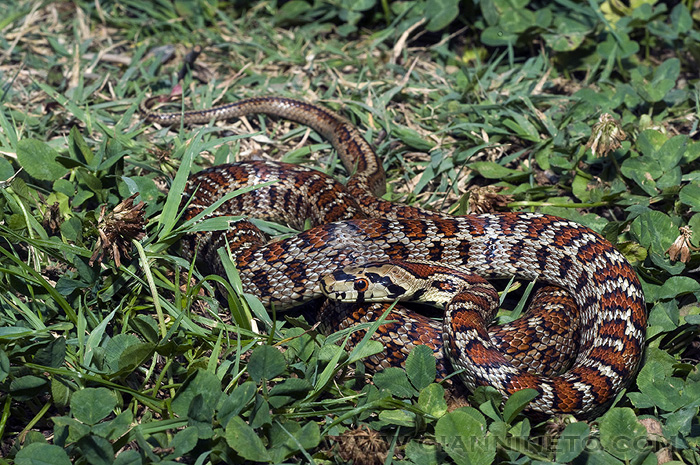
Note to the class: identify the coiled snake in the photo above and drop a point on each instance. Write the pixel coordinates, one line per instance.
(355, 228)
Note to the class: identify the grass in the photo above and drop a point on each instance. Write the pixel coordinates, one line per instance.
(114, 349)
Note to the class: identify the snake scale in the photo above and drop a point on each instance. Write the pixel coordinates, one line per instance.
(353, 227)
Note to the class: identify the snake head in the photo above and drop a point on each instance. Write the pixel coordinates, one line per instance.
(426, 282)
(370, 283)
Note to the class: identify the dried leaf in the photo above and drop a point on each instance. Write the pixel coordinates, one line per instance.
(117, 229)
(606, 136)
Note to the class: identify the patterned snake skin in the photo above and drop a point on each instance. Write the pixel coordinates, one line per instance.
(611, 313)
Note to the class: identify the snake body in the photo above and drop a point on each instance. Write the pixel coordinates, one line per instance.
(612, 314)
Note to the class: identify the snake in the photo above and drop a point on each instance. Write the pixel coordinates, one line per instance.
(352, 227)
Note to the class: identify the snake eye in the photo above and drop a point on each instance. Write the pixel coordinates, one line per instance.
(361, 285)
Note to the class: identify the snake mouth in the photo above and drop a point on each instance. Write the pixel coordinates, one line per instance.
(340, 285)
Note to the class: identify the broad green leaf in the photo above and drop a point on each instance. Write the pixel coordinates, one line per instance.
(193, 11)
(4, 365)
(6, 170)
(627, 47)
(517, 402)
(565, 41)
(504, 5)
(463, 435)
(27, 387)
(517, 20)
(301, 344)
(200, 415)
(260, 415)
(292, 10)
(39, 160)
(543, 18)
(128, 457)
(644, 171)
(288, 391)
(490, 12)
(656, 385)
(96, 450)
(650, 141)
(241, 398)
(694, 223)
(676, 286)
(245, 441)
(692, 154)
(395, 381)
(144, 186)
(669, 69)
(90, 405)
(663, 80)
(579, 187)
(600, 457)
(184, 441)
(491, 170)
(204, 384)
(420, 366)
(690, 195)
(670, 179)
(291, 386)
(664, 316)
(68, 430)
(66, 286)
(671, 153)
(432, 400)
(146, 327)
(642, 9)
(53, 355)
(681, 422)
(622, 435)
(93, 182)
(680, 19)
(41, 454)
(398, 417)
(650, 91)
(488, 400)
(655, 230)
(498, 36)
(134, 355)
(572, 441)
(124, 352)
(358, 5)
(12, 332)
(115, 428)
(441, 13)
(309, 436)
(265, 362)
(568, 36)
(61, 200)
(424, 453)
(288, 437)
